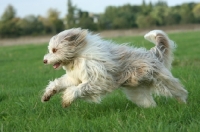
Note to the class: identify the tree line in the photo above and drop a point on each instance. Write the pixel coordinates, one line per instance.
(120, 17)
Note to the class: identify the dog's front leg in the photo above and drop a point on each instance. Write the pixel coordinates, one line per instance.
(69, 95)
(54, 87)
(89, 90)
(50, 90)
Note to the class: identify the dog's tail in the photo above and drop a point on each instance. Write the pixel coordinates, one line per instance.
(164, 46)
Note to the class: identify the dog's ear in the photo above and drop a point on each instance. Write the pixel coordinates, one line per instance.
(76, 36)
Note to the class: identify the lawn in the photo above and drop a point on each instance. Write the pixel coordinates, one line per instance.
(23, 78)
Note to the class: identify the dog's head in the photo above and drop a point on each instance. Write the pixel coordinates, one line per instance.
(65, 46)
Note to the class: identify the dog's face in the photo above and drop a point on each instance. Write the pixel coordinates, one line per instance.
(65, 46)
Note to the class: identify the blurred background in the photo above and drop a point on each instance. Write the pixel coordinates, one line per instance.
(47, 17)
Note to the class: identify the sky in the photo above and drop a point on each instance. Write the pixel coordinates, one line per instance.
(40, 7)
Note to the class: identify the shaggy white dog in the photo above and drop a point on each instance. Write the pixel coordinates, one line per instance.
(95, 67)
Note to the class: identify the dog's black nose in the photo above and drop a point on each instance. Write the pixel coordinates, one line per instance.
(45, 61)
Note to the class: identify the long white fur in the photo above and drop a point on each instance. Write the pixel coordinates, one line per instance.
(95, 67)
(157, 36)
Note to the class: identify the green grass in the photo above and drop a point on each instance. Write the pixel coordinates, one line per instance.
(23, 77)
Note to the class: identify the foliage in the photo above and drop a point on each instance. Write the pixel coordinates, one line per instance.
(196, 12)
(23, 78)
(114, 17)
(144, 21)
(119, 17)
(9, 13)
(8, 26)
(29, 25)
(70, 17)
(186, 13)
(85, 21)
(55, 23)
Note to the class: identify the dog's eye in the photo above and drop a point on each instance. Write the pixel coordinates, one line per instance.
(54, 50)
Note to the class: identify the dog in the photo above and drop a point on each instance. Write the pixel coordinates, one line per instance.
(95, 67)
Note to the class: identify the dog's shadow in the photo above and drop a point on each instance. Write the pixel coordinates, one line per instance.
(109, 106)
(91, 111)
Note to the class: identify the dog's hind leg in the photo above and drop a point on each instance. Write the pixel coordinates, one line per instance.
(140, 95)
(167, 85)
(176, 89)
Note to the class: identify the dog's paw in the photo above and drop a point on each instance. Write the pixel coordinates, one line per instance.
(181, 100)
(66, 104)
(45, 98)
(47, 95)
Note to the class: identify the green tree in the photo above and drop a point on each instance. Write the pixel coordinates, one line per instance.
(70, 18)
(196, 12)
(8, 26)
(9, 13)
(144, 21)
(55, 22)
(186, 14)
(161, 3)
(146, 9)
(119, 17)
(106, 19)
(30, 25)
(159, 13)
(46, 25)
(173, 16)
(85, 21)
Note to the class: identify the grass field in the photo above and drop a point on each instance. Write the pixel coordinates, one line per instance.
(23, 77)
